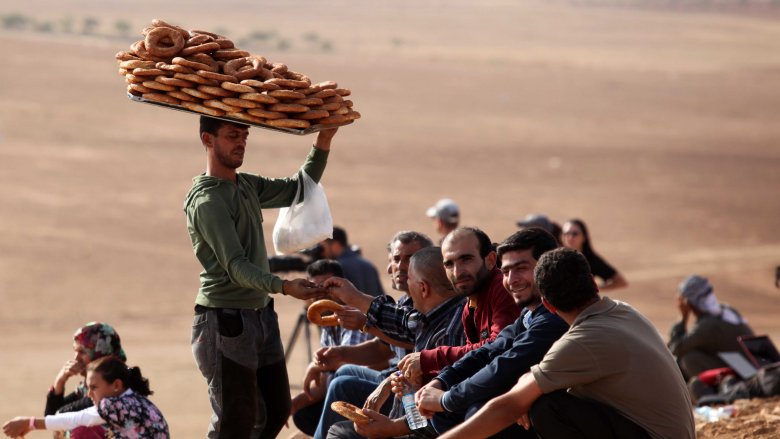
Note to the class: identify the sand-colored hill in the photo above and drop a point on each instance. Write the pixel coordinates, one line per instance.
(656, 126)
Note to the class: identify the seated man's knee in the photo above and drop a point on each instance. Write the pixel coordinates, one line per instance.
(347, 370)
(544, 408)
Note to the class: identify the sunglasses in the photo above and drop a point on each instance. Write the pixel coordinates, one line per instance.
(572, 233)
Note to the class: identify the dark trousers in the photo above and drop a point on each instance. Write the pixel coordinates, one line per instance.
(561, 415)
(240, 354)
(445, 421)
(307, 418)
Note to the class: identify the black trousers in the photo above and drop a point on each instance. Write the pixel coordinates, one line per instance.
(561, 415)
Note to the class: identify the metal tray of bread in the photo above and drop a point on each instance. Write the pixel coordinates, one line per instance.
(299, 132)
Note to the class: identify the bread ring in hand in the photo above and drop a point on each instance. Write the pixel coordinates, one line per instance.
(350, 412)
(314, 313)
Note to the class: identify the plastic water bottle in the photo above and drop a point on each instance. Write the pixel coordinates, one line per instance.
(413, 416)
(714, 414)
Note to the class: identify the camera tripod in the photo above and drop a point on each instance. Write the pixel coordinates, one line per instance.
(302, 323)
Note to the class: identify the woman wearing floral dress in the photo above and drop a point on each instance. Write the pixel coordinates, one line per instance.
(90, 342)
(119, 396)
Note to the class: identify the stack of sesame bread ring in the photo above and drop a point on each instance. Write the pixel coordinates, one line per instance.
(204, 72)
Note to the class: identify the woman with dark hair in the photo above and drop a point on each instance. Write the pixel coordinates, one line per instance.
(575, 235)
(92, 341)
(119, 396)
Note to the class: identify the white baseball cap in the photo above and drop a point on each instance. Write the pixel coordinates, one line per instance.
(446, 210)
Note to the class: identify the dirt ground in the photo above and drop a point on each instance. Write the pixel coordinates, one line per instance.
(656, 126)
(753, 419)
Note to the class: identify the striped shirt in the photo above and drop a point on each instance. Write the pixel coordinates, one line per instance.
(442, 326)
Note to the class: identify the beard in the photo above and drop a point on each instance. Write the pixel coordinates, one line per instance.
(533, 299)
(228, 159)
(481, 279)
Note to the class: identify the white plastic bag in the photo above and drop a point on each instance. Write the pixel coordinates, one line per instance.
(306, 223)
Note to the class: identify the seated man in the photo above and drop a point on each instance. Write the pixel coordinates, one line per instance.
(352, 381)
(470, 262)
(461, 389)
(307, 405)
(436, 323)
(609, 376)
(716, 329)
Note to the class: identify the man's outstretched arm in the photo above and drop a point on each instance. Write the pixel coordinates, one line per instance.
(500, 412)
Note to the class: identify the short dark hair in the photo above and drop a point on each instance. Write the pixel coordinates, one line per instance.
(483, 240)
(211, 125)
(536, 239)
(563, 278)
(340, 236)
(325, 266)
(428, 263)
(409, 236)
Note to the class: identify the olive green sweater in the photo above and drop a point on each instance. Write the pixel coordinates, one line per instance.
(224, 220)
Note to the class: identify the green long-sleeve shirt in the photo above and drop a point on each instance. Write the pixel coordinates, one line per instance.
(224, 220)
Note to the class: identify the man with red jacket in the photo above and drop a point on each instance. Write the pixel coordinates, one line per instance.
(470, 262)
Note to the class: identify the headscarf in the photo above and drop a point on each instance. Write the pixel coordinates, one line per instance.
(99, 340)
(697, 290)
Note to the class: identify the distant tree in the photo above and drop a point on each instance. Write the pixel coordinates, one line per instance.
(46, 27)
(326, 46)
(122, 27)
(283, 45)
(262, 35)
(310, 37)
(89, 25)
(15, 21)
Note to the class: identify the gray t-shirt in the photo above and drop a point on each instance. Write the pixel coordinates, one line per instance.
(614, 355)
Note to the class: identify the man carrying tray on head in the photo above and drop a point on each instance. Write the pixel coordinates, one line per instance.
(235, 333)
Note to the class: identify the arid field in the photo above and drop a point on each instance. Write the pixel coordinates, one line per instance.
(658, 125)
